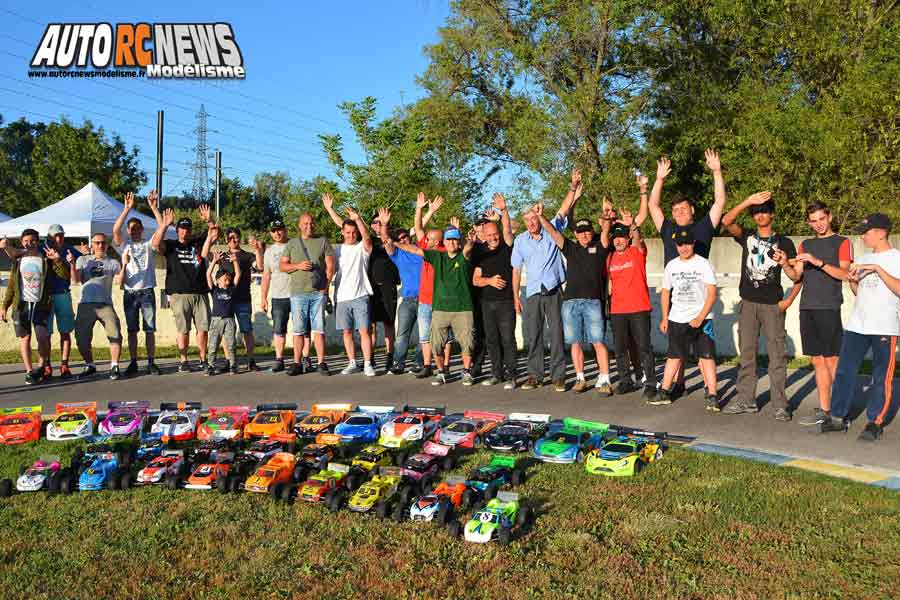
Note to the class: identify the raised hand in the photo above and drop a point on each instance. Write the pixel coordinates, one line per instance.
(626, 217)
(454, 221)
(538, 209)
(126, 258)
(759, 198)
(3, 243)
(213, 233)
(642, 181)
(50, 253)
(203, 209)
(168, 217)
(352, 214)
(421, 200)
(254, 243)
(712, 160)
(499, 201)
(384, 216)
(576, 177)
(472, 236)
(491, 215)
(217, 256)
(663, 167)
(607, 210)
(153, 198)
(129, 200)
(328, 201)
(435, 204)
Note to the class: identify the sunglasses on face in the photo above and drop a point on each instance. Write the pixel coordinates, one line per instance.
(99, 243)
(232, 237)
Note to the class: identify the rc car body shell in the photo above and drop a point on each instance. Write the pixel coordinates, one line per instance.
(364, 426)
(169, 463)
(316, 487)
(495, 474)
(125, 418)
(20, 425)
(73, 421)
(206, 474)
(37, 476)
(381, 487)
(414, 425)
(224, 423)
(322, 419)
(177, 422)
(278, 469)
(274, 421)
(469, 431)
(486, 523)
(623, 456)
(426, 507)
(517, 433)
(97, 468)
(569, 441)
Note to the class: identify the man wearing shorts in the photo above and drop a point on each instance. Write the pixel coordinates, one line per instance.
(186, 280)
(139, 299)
(309, 262)
(687, 298)
(95, 273)
(241, 302)
(277, 282)
(433, 239)
(824, 263)
(28, 293)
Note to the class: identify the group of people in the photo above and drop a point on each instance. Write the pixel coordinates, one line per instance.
(469, 287)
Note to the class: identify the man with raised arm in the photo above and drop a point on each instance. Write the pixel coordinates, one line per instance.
(764, 254)
(186, 280)
(682, 208)
(433, 239)
(352, 287)
(492, 273)
(139, 299)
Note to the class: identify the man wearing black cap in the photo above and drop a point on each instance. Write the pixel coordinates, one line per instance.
(874, 325)
(764, 255)
(241, 302)
(186, 280)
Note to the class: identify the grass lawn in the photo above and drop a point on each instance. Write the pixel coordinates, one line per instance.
(692, 526)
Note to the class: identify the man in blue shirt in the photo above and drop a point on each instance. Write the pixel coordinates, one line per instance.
(540, 257)
(410, 267)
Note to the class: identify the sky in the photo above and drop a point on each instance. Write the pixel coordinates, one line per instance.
(302, 60)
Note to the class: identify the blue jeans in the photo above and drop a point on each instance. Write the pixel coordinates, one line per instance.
(308, 313)
(407, 314)
(583, 321)
(243, 313)
(423, 318)
(853, 349)
(140, 303)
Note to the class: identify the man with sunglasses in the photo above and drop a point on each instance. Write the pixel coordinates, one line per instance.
(95, 273)
(764, 255)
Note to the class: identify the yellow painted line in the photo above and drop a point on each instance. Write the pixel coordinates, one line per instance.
(856, 474)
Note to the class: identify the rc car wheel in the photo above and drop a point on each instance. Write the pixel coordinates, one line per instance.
(67, 484)
(659, 453)
(523, 516)
(381, 509)
(334, 504)
(579, 458)
(477, 505)
(467, 498)
(222, 484)
(398, 513)
(490, 492)
(276, 490)
(234, 484)
(172, 482)
(112, 481)
(125, 482)
(477, 443)
(354, 481)
(299, 474)
(504, 536)
(287, 493)
(425, 485)
(405, 493)
(443, 513)
(22, 469)
(53, 483)
(6, 488)
(291, 447)
(448, 463)
(518, 477)
(454, 529)
(638, 465)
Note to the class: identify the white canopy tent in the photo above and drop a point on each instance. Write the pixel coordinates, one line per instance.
(88, 211)
(4, 217)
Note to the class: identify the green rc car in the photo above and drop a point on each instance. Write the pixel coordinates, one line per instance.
(494, 521)
(625, 454)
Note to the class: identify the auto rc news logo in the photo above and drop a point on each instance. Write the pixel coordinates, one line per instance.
(158, 50)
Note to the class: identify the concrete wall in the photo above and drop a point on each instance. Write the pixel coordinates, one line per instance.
(725, 257)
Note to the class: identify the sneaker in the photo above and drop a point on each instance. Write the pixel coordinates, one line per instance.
(322, 368)
(446, 372)
(626, 387)
(580, 386)
(660, 398)
(531, 384)
(132, 369)
(712, 402)
(509, 384)
(740, 408)
(350, 369)
(153, 369)
(415, 369)
(559, 385)
(396, 370)
(467, 378)
(64, 371)
(234, 367)
(818, 416)
(491, 381)
(295, 370)
(439, 378)
(87, 372)
(369, 371)
(649, 392)
(114, 373)
(46, 372)
(833, 423)
(226, 368)
(604, 388)
(871, 433)
(203, 365)
(425, 373)
(677, 391)
(183, 367)
(278, 367)
(388, 367)
(251, 366)
(210, 371)
(783, 414)
(307, 364)
(31, 377)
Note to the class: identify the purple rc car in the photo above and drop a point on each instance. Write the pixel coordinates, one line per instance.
(125, 418)
(423, 468)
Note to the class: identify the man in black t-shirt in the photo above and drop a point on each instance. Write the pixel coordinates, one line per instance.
(243, 309)
(492, 276)
(583, 316)
(186, 279)
(682, 208)
(764, 254)
(384, 277)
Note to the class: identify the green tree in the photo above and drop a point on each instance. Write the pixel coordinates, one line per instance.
(17, 140)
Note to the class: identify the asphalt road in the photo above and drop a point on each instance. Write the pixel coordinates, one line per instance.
(686, 416)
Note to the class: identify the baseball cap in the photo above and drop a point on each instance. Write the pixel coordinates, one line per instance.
(276, 225)
(874, 221)
(620, 230)
(452, 234)
(185, 223)
(583, 225)
(55, 230)
(683, 235)
(766, 207)
(482, 221)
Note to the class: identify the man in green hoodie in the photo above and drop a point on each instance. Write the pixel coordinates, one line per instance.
(28, 294)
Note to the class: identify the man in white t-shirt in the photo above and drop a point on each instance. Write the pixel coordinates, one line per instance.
(352, 291)
(875, 325)
(139, 281)
(687, 298)
(277, 282)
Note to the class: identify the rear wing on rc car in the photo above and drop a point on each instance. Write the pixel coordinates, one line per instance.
(172, 453)
(276, 406)
(88, 408)
(484, 415)
(507, 497)
(390, 471)
(659, 435)
(327, 408)
(329, 439)
(429, 411)
(435, 449)
(235, 411)
(582, 426)
(530, 417)
(376, 409)
(129, 405)
(454, 480)
(183, 406)
(338, 467)
(22, 410)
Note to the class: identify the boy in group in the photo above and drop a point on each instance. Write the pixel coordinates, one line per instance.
(823, 263)
(28, 293)
(139, 299)
(222, 323)
(687, 298)
(682, 208)
(874, 325)
(764, 254)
